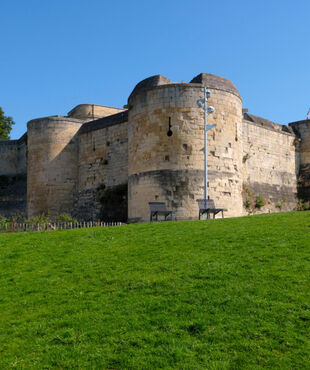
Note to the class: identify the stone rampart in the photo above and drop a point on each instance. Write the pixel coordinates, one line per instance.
(13, 156)
(270, 166)
(103, 166)
(13, 177)
(302, 131)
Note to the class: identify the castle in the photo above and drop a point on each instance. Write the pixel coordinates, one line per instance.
(107, 163)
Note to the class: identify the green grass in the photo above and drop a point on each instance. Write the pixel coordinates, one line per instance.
(217, 294)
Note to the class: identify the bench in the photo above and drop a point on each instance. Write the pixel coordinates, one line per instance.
(159, 209)
(208, 207)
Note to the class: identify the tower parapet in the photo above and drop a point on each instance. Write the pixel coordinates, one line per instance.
(90, 112)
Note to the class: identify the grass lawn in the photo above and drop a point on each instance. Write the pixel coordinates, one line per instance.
(217, 294)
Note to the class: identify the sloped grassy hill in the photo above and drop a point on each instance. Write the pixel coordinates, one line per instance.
(232, 293)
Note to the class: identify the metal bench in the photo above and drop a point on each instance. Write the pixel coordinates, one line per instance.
(159, 209)
(208, 207)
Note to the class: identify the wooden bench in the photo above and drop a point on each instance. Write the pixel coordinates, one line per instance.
(159, 209)
(208, 207)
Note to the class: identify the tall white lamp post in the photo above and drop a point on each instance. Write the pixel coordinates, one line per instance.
(202, 103)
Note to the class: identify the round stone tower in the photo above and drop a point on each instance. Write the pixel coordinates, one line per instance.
(52, 167)
(165, 146)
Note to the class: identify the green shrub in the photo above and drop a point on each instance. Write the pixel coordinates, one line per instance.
(299, 205)
(39, 220)
(3, 221)
(303, 205)
(247, 203)
(64, 217)
(259, 201)
(279, 205)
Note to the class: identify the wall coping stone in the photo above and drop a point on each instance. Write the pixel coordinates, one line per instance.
(20, 141)
(95, 105)
(55, 119)
(268, 128)
(299, 122)
(101, 123)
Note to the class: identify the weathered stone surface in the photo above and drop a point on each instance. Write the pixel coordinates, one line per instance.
(302, 131)
(150, 82)
(52, 165)
(13, 156)
(13, 177)
(270, 162)
(78, 164)
(92, 111)
(13, 195)
(216, 82)
(102, 162)
(151, 149)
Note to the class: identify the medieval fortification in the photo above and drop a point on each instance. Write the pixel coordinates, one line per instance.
(108, 163)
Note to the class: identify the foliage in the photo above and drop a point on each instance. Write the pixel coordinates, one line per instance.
(251, 201)
(64, 217)
(46, 219)
(247, 203)
(6, 124)
(7, 223)
(279, 205)
(217, 294)
(299, 205)
(303, 205)
(3, 221)
(306, 206)
(39, 220)
(259, 201)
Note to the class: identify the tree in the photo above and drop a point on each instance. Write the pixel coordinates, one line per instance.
(6, 124)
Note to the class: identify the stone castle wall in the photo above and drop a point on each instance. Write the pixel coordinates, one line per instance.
(270, 165)
(83, 163)
(302, 131)
(13, 177)
(13, 156)
(103, 165)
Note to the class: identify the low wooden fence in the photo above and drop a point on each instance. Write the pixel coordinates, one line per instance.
(25, 227)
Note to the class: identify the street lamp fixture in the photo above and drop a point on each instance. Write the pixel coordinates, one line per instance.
(202, 103)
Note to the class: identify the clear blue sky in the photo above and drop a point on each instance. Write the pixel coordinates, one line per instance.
(56, 54)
